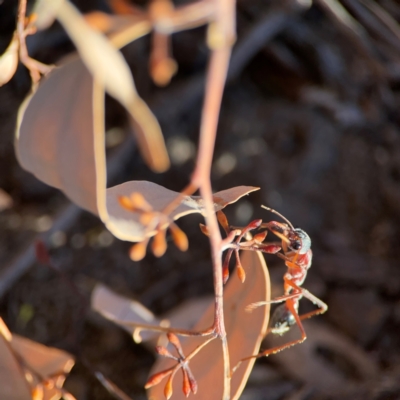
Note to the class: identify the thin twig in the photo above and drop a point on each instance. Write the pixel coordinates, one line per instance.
(35, 67)
(165, 329)
(215, 84)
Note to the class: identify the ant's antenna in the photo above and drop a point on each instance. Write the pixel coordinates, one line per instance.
(277, 213)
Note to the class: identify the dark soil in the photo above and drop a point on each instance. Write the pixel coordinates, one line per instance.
(312, 119)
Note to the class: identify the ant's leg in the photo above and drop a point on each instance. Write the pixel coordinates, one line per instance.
(289, 261)
(275, 244)
(296, 293)
(280, 230)
(290, 304)
(322, 307)
(279, 299)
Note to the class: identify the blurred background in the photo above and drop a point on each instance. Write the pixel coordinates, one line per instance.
(310, 115)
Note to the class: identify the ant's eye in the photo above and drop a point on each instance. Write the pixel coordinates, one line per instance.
(296, 245)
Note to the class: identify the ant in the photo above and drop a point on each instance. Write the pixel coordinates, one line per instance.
(296, 247)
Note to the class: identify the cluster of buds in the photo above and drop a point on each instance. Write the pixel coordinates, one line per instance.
(234, 243)
(153, 221)
(189, 382)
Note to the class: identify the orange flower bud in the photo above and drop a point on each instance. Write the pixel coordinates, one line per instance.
(223, 220)
(147, 217)
(174, 340)
(179, 237)
(126, 203)
(240, 271)
(139, 202)
(138, 251)
(225, 273)
(37, 392)
(162, 351)
(192, 382)
(168, 388)
(225, 267)
(204, 230)
(186, 389)
(157, 378)
(260, 237)
(159, 244)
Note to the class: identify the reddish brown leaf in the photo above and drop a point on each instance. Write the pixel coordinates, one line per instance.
(42, 119)
(120, 309)
(110, 70)
(245, 331)
(12, 382)
(45, 361)
(130, 226)
(82, 135)
(229, 196)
